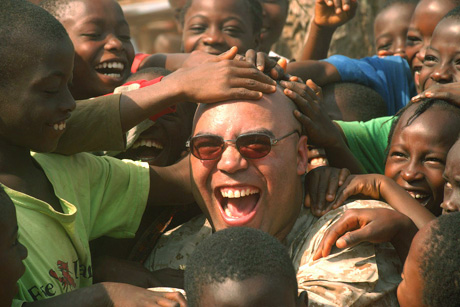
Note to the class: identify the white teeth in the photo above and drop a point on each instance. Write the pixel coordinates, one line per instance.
(318, 161)
(147, 143)
(59, 126)
(111, 65)
(238, 193)
(113, 75)
(417, 195)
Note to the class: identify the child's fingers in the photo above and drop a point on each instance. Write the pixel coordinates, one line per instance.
(342, 193)
(261, 59)
(227, 55)
(282, 62)
(250, 56)
(343, 175)
(302, 104)
(304, 120)
(338, 6)
(315, 88)
(303, 90)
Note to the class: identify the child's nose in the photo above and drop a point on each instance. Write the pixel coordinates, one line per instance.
(113, 43)
(212, 37)
(443, 74)
(421, 53)
(449, 206)
(411, 172)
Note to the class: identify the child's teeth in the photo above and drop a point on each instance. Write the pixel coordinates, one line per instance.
(237, 193)
(230, 194)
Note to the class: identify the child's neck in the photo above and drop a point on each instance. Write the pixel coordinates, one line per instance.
(20, 172)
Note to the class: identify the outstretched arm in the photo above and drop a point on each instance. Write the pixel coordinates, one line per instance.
(328, 17)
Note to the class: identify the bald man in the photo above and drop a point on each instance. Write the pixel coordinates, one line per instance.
(247, 161)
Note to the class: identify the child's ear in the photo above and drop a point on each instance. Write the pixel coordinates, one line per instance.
(302, 300)
(302, 155)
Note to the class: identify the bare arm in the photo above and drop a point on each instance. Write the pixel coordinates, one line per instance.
(328, 17)
(320, 72)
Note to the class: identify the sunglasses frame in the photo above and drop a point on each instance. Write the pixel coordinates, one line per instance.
(273, 142)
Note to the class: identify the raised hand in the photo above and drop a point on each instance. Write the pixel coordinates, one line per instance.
(321, 185)
(368, 225)
(334, 13)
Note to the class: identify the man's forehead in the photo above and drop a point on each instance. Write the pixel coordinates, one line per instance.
(271, 106)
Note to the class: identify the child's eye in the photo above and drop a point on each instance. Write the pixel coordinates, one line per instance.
(197, 29)
(124, 37)
(434, 161)
(232, 30)
(429, 60)
(384, 47)
(413, 40)
(92, 35)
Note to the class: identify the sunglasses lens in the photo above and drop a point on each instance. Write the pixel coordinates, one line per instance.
(254, 146)
(206, 147)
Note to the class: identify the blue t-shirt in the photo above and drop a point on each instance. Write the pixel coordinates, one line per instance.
(390, 76)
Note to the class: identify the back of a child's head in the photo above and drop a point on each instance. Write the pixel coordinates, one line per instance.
(353, 102)
(237, 254)
(440, 263)
(388, 3)
(25, 29)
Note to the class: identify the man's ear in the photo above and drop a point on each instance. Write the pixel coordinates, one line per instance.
(302, 155)
(302, 300)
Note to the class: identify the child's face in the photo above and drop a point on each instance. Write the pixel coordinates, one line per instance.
(104, 52)
(35, 107)
(164, 142)
(254, 291)
(390, 28)
(451, 202)
(418, 152)
(410, 290)
(214, 26)
(12, 253)
(442, 56)
(275, 14)
(426, 16)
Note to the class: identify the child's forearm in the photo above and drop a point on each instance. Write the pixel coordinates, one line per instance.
(320, 72)
(400, 200)
(318, 42)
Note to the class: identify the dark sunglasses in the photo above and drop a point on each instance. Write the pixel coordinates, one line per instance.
(250, 145)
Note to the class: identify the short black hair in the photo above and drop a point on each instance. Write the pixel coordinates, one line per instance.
(57, 8)
(440, 263)
(454, 13)
(254, 7)
(25, 27)
(422, 107)
(358, 101)
(237, 253)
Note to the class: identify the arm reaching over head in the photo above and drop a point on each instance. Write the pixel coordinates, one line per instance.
(328, 17)
(320, 129)
(223, 77)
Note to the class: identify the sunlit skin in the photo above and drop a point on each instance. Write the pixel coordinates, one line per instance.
(273, 180)
(255, 291)
(442, 57)
(390, 29)
(426, 16)
(214, 26)
(418, 152)
(104, 52)
(274, 19)
(38, 102)
(12, 252)
(410, 290)
(451, 201)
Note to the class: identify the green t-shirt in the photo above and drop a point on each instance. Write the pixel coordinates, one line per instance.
(99, 196)
(368, 141)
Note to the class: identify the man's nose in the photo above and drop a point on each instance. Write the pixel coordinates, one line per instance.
(231, 160)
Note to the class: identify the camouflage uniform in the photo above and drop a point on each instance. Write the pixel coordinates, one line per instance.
(357, 276)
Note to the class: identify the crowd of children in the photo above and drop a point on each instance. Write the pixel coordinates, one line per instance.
(93, 145)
